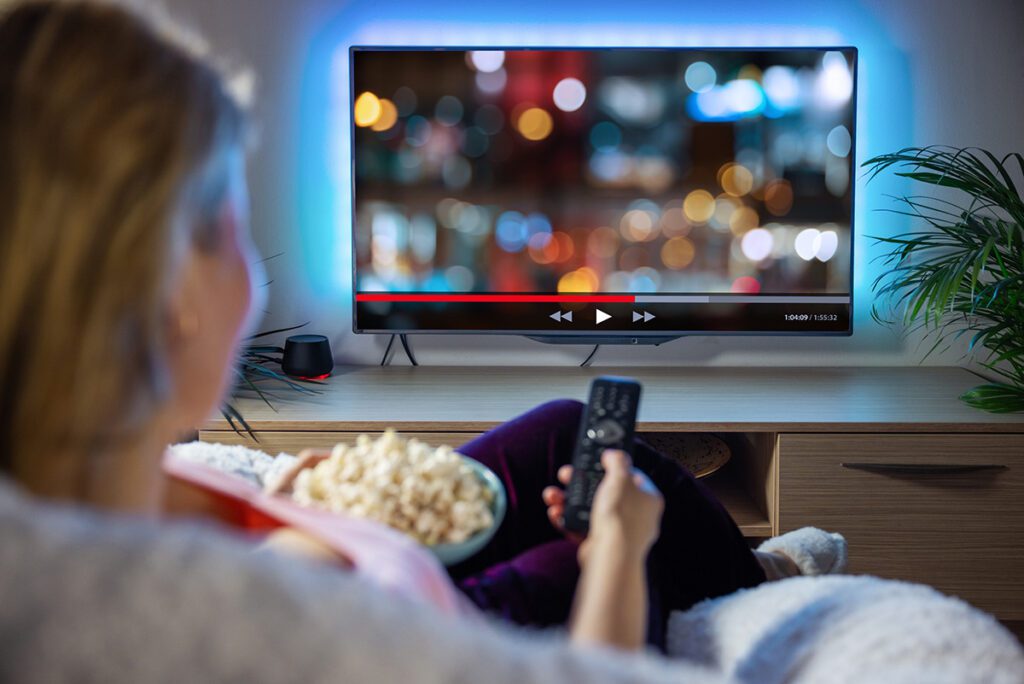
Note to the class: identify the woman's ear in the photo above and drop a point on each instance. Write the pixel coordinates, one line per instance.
(188, 324)
(182, 312)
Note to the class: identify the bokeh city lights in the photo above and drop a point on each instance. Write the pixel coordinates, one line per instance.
(603, 171)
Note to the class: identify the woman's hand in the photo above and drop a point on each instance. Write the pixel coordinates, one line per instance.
(626, 511)
(307, 458)
(554, 499)
(610, 607)
(627, 506)
(288, 541)
(291, 542)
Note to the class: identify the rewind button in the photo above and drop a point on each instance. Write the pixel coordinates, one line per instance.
(561, 316)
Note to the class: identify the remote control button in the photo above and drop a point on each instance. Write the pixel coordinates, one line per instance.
(606, 432)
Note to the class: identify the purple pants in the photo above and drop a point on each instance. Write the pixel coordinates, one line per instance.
(527, 574)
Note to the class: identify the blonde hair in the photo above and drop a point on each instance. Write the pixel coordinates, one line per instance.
(112, 139)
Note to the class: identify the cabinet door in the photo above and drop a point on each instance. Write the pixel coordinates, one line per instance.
(944, 510)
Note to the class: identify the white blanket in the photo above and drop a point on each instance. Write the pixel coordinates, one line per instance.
(846, 629)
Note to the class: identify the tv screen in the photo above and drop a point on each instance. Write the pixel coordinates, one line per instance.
(603, 192)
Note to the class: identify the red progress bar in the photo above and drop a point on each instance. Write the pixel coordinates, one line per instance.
(503, 298)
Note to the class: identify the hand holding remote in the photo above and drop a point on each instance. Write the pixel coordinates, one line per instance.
(627, 507)
(626, 511)
(610, 607)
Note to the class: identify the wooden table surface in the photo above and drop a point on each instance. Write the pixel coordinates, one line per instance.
(896, 399)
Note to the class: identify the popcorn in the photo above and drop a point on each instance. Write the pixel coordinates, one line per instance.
(429, 494)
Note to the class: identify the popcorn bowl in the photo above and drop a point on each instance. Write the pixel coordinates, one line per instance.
(452, 554)
(448, 553)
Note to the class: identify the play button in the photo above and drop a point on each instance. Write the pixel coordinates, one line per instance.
(600, 316)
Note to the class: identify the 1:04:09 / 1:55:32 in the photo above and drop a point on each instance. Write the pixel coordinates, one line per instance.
(811, 317)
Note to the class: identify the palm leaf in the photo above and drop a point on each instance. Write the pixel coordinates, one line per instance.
(235, 420)
(963, 275)
(996, 397)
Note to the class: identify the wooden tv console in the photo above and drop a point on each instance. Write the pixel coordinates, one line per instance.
(923, 487)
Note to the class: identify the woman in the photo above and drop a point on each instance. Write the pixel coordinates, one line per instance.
(126, 276)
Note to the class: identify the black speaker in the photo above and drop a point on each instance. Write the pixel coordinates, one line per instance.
(307, 357)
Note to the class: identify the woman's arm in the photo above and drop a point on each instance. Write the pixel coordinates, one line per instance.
(185, 499)
(611, 599)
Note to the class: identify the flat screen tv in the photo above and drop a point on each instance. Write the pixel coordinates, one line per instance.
(603, 194)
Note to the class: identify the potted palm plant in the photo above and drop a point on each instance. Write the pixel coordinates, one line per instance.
(960, 273)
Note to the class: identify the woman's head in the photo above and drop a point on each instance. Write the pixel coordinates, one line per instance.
(125, 269)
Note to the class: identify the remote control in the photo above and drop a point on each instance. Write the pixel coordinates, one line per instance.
(608, 422)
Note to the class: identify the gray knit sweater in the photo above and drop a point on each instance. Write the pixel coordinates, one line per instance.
(97, 598)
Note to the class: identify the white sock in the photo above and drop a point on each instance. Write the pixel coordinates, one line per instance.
(815, 552)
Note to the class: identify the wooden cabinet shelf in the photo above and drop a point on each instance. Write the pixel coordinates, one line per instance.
(752, 519)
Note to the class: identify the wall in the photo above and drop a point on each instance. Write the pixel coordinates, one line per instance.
(931, 72)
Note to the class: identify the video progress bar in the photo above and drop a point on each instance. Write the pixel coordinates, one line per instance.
(738, 299)
(600, 299)
(489, 298)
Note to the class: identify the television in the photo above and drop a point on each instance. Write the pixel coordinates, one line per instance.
(605, 194)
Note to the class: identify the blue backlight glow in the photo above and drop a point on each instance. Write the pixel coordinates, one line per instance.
(323, 122)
